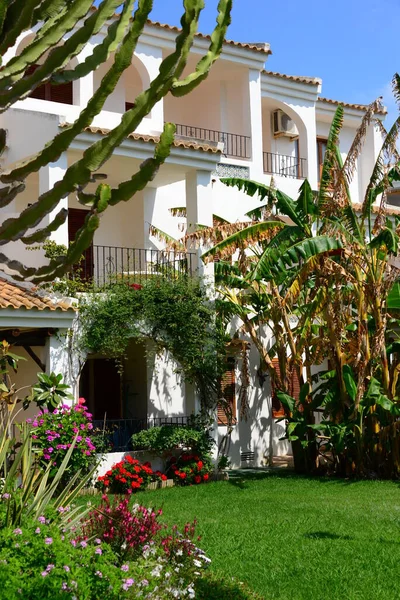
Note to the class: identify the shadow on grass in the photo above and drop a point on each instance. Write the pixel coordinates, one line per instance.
(219, 587)
(239, 477)
(326, 535)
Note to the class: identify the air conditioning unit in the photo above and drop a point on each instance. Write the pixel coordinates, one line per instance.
(282, 125)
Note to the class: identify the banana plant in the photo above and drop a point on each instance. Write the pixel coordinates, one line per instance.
(60, 31)
(323, 284)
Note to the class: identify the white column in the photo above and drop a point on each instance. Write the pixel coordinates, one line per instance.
(256, 128)
(84, 87)
(61, 360)
(48, 177)
(199, 211)
(308, 147)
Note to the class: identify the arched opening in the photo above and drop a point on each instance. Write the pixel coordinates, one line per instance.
(101, 386)
(63, 93)
(284, 140)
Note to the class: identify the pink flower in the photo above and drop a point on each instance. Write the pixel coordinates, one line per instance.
(17, 531)
(125, 568)
(48, 541)
(66, 568)
(98, 551)
(37, 530)
(81, 401)
(42, 520)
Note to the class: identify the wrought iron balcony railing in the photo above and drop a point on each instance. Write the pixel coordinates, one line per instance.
(285, 166)
(107, 265)
(235, 145)
(118, 432)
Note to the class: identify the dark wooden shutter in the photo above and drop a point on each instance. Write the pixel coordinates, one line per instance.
(61, 93)
(228, 385)
(54, 93)
(76, 218)
(294, 390)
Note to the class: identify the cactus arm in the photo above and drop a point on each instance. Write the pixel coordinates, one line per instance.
(42, 234)
(3, 13)
(101, 52)
(18, 18)
(183, 87)
(7, 194)
(47, 10)
(59, 55)
(148, 169)
(52, 151)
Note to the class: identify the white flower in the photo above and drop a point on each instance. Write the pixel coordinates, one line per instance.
(179, 552)
(197, 563)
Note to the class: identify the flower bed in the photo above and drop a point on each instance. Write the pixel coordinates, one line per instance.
(189, 469)
(128, 476)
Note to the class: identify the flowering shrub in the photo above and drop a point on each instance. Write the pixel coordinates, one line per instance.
(39, 562)
(190, 469)
(128, 476)
(54, 432)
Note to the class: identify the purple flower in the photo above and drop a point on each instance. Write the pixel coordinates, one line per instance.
(64, 586)
(50, 449)
(82, 426)
(29, 420)
(125, 568)
(35, 424)
(49, 568)
(42, 520)
(6, 496)
(98, 551)
(89, 426)
(48, 541)
(97, 541)
(44, 573)
(127, 584)
(66, 568)
(37, 530)
(99, 574)
(73, 542)
(83, 544)
(17, 531)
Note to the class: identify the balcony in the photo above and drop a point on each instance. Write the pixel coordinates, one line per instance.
(109, 265)
(120, 431)
(285, 166)
(235, 145)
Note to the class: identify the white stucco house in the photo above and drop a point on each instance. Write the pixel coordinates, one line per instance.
(242, 121)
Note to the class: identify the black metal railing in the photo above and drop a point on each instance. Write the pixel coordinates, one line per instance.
(235, 145)
(286, 166)
(106, 265)
(120, 431)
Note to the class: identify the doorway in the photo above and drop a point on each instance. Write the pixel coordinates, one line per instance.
(100, 385)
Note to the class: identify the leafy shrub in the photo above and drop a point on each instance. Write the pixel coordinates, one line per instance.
(189, 469)
(169, 437)
(53, 433)
(128, 476)
(39, 562)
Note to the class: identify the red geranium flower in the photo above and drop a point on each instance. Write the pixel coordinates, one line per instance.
(205, 477)
(197, 479)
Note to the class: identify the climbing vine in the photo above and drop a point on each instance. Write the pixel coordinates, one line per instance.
(175, 314)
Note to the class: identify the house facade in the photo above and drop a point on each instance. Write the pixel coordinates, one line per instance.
(243, 121)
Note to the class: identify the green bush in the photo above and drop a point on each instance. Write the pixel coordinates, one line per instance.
(169, 437)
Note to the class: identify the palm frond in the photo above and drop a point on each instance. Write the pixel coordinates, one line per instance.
(250, 235)
(330, 161)
(306, 249)
(178, 211)
(282, 201)
(276, 247)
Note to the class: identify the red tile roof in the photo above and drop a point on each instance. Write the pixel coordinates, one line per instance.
(13, 295)
(363, 107)
(298, 78)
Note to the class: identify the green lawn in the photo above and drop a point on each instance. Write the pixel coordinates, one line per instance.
(292, 538)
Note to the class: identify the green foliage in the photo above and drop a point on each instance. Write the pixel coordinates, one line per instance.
(175, 314)
(49, 392)
(215, 586)
(170, 437)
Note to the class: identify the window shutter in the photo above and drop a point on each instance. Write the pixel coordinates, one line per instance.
(294, 390)
(56, 93)
(228, 384)
(61, 93)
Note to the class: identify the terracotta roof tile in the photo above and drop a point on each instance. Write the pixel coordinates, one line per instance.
(363, 107)
(298, 78)
(178, 143)
(256, 47)
(13, 295)
(375, 209)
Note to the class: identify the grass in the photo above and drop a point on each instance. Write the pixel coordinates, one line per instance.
(292, 538)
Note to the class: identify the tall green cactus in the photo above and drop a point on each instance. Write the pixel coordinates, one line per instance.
(53, 20)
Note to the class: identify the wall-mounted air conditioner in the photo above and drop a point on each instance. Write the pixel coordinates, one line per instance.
(282, 125)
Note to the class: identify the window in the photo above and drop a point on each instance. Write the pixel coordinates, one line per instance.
(321, 149)
(55, 93)
(294, 390)
(228, 385)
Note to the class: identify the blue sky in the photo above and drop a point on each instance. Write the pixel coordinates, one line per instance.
(351, 44)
